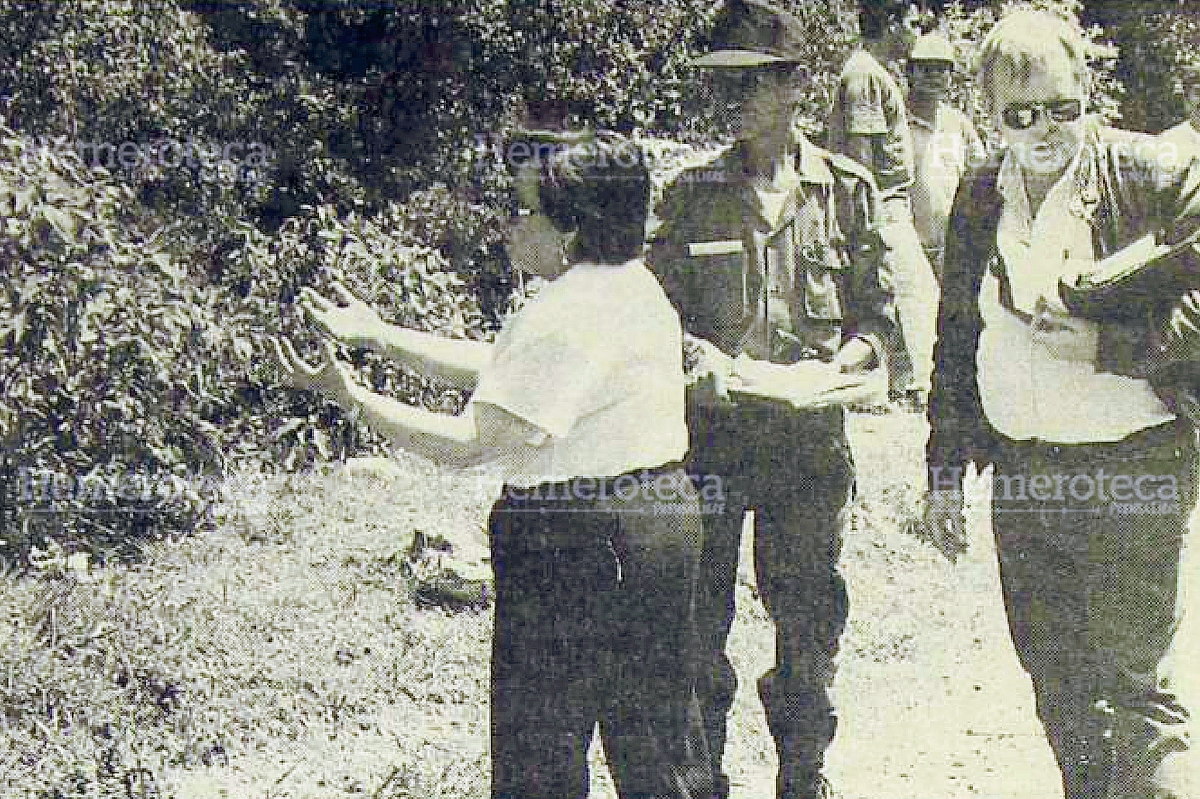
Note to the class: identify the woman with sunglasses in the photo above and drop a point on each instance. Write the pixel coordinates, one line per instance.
(596, 537)
(1093, 452)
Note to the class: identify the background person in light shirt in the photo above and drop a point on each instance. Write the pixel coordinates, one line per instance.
(1051, 398)
(944, 144)
(581, 402)
(1182, 142)
(869, 123)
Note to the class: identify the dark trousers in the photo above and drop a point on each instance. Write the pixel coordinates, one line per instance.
(594, 623)
(795, 470)
(1089, 568)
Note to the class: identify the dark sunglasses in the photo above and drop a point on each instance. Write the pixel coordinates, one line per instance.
(1022, 116)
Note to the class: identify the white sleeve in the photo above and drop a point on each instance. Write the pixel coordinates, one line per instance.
(552, 379)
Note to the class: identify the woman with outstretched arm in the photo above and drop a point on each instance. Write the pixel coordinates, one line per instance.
(596, 536)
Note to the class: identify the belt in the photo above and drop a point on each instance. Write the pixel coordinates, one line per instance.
(558, 492)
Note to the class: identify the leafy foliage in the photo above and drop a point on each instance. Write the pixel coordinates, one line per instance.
(110, 354)
(123, 362)
(1154, 47)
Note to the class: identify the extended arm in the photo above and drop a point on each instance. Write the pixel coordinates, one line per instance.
(457, 361)
(450, 440)
(957, 430)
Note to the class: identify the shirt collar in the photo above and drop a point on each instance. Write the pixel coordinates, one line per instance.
(1011, 185)
(811, 167)
(1083, 198)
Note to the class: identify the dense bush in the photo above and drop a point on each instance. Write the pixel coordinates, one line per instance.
(1153, 48)
(123, 363)
(118, 72)
(109, 355)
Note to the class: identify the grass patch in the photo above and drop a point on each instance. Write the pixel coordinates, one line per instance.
(285, 654)
(280, 655)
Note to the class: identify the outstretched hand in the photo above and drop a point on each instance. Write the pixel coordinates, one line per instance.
(328, 377)
(353, 322)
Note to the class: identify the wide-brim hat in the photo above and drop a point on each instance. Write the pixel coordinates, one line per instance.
(751, 33)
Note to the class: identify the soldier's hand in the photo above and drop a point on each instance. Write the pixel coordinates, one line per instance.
(703, 357)
(855, 356)
(939, 519)
(709, 371)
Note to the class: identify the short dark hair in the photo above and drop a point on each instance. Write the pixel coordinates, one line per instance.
(600, 189)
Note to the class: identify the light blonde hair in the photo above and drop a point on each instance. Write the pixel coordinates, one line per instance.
(1025, 39)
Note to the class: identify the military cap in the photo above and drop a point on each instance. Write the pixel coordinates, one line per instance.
(752, 33)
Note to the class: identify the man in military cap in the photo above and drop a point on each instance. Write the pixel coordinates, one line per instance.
(770, 254)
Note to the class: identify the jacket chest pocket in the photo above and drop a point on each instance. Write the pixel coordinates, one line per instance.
(819, 268)
(729, 290)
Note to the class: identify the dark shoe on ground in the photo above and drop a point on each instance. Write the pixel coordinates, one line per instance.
(448, 589)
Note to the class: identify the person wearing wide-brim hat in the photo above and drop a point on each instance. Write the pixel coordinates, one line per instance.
(769, 253)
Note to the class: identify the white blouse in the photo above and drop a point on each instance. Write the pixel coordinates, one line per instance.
(595, 362)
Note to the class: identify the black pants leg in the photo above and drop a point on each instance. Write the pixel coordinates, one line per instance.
(798, 545)
(594, 623)
(717, 682)
(545, 659)
(1089, 583)
(650, 722)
